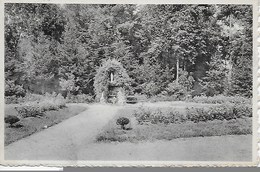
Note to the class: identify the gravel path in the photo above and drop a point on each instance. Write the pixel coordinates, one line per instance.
(64, 140)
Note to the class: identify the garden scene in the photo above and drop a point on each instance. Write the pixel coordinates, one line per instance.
(128, 82)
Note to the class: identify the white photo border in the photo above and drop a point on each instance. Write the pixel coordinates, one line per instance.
(256, 95)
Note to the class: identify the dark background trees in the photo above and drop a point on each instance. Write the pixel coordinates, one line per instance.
(157, 45)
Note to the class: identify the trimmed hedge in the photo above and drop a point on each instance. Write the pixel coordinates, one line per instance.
(157, 116)
(220, 112)
(226, 111)
(219, 99)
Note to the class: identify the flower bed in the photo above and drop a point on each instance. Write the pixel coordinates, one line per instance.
(152, 127)
(192, 120)
(38, 104)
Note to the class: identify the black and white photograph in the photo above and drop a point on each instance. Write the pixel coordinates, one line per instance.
(137, 83)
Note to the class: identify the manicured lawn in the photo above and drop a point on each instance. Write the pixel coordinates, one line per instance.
(215, 148)
(31, 125)
(151, 132)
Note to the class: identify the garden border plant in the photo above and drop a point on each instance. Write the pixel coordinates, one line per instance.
(38, 104)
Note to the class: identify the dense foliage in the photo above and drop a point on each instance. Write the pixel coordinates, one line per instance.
(52, 47)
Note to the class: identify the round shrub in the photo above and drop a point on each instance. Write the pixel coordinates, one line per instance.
(122, 121)
(11, 119)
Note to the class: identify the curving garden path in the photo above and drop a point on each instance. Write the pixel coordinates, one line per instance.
(63, 141)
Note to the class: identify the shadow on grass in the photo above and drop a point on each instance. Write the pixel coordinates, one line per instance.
(16, 126)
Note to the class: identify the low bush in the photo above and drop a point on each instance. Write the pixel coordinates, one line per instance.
(11, 119)
(36, 97)
(142, 115)
(177, 90)
(157, 116)
(217, 112)
(80, 98)
(226, 111)
(13, 99)
(38, 104)
(122, 121)
(219, 99)
(243, 110)
(30, 109)
(13, 89)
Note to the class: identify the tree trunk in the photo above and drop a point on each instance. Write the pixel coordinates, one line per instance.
(177, 70)
(230, 64)
(42, 88)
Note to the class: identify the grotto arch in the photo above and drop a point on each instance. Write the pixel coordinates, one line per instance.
(111, 82)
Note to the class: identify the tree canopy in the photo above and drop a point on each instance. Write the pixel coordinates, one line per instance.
(46, 43)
